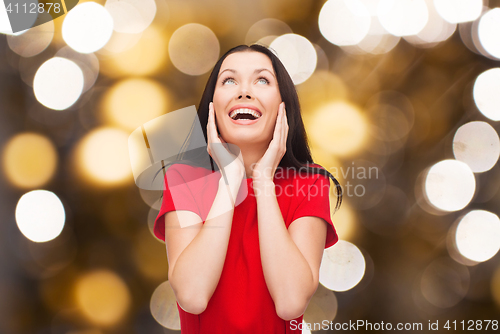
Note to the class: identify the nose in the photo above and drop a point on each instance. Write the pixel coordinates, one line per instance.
(244, 94)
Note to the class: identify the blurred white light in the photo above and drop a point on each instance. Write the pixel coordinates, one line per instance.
(489, 32)
(87, 27)
(477, 144)
(436, 30)
(131, 16)
(342, 266)
(88, 63)
(486, 94)
(58, 83)
(403, 17)
(371, 5)
(193, 49)
(40, 215)
(344, 22)
(450, 185)
(456, 11)
(265, 28)
(163, 307)
(477, 46)
(478, 235)
(378, 40)
(297, 54)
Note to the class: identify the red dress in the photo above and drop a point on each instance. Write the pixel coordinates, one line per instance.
(241, 302)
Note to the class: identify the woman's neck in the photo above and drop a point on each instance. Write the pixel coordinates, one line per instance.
(251, 155)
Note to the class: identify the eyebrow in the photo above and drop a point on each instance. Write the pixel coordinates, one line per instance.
(255, 72)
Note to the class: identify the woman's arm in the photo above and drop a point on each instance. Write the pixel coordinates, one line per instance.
(196, 253)
(290, 258)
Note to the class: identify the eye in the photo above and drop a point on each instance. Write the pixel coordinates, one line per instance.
(263, 78)
(227, 79)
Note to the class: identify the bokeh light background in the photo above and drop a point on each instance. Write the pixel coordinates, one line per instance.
(401, 101)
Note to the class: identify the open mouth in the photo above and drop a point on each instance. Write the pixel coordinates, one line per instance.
(245, 114)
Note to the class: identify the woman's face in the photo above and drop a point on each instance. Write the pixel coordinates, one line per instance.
(246, 81)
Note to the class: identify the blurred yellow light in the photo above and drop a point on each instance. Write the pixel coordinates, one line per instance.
(40, 215)
(342, 267)
(298, 56)
(103, 297)
(344, 22)
(477, 144)
(456, 11)
(344, 220)
(194, 49)
(489, 32)
(145, 57)
(149, 256)
(131, 16)
(103, 156)
(153, 213)
(327, 160)
(339, 128)
(119, 42)
(495, 286)
(133, 102)
(163, 306)
(33, 41)
(266, 27)
(286, 10)
(86, 331)
(29, 160)
(478, 235)
(87, 27)
(450, 185)
(403, 17)
(486, 95)
(58, 83)
(320, 87)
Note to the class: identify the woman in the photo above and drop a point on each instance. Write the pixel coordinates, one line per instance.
(246, 264)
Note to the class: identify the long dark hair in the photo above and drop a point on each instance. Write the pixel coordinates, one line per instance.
(297, 155)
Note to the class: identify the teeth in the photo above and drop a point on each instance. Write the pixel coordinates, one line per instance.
(244, 111)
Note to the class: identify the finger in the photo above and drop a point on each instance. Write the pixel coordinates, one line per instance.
(285, 129)
(210, 120)
(213, 131)
(209, 140)
(278, 127)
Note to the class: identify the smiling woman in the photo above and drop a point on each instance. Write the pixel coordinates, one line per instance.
(246, 261)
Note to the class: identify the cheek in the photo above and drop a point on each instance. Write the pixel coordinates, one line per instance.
(270, 125)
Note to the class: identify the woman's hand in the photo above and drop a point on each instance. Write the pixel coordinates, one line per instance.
(221, 152)
(265, 168)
